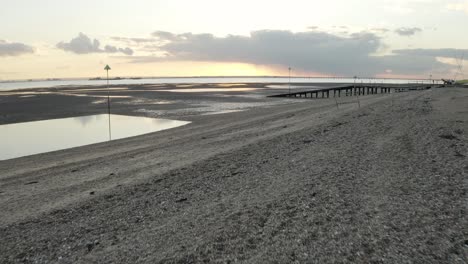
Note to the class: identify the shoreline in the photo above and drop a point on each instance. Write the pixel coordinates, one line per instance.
(155, 100)
(266, 184)
(57, 83)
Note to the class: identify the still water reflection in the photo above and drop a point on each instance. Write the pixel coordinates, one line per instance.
(207, 90)
(22, 139)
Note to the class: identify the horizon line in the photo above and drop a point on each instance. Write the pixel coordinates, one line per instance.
(207, 76)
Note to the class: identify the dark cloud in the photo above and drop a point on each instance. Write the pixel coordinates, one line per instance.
(447, 53)
(309, 51)
(82, 44)
(405, 31)
(14, 49)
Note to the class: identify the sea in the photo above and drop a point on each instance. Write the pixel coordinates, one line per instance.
(15, 85)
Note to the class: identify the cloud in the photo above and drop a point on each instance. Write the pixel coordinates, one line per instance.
(133, 40)
(14, 49)
(380, 30)
(458, 6)
(308, 51)
(82, 44)
(126, 51)
(112, 49)
(164, 35)
(446, 53)
(404, 31)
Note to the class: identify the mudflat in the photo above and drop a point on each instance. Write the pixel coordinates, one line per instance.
(289, 181)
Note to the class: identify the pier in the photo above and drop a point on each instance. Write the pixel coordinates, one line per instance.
(356, 90)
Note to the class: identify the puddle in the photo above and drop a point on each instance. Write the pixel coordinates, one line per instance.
(49, 135)
(195, 108)
(145, 101)
(207, 90)
(223, 112)
(24, 93)
(230, 84)
(102, 101)
(95, 96)
(96, 89)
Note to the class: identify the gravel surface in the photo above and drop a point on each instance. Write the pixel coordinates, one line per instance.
(300, 182)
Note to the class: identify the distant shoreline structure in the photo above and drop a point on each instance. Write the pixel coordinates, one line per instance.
(205, 77)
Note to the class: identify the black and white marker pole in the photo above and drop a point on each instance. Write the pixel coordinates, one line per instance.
(107, 68)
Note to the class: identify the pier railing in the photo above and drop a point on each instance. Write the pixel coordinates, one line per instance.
(355, 90)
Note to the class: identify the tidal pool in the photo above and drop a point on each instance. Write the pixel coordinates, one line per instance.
(23, 139)
(207, 90)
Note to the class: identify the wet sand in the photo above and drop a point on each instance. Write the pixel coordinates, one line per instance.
(289, 181)
(156, 100)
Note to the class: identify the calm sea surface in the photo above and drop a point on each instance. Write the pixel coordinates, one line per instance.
(14, 85)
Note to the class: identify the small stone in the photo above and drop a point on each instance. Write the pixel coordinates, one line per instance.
(448, 136)
(90, 246)
(181, 200)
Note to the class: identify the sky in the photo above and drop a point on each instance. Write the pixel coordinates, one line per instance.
(366, 38)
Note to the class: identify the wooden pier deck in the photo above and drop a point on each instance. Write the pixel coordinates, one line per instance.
(356, 90)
